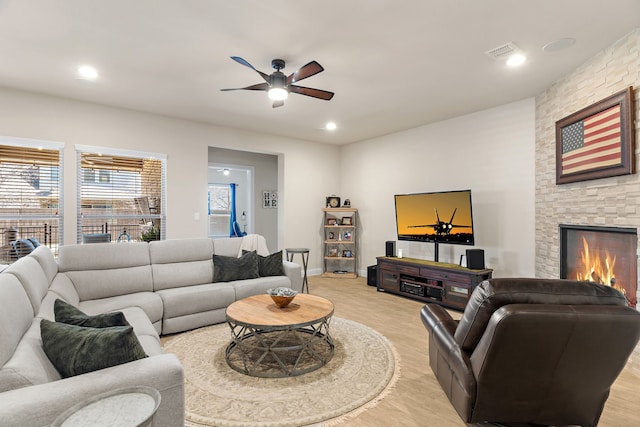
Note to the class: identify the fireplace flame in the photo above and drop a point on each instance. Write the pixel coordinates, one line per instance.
(597, 269)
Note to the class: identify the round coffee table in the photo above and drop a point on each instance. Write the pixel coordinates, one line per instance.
(272, 342)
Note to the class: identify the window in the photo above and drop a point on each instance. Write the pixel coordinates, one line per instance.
(219, 210)
(121, 195)
(30, 195)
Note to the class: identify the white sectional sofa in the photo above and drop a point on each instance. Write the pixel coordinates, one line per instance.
(162, 287)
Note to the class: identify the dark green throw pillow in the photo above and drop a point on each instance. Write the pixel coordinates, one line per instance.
(270, 265)
(227, 269)
(75, 350)
(66, 313)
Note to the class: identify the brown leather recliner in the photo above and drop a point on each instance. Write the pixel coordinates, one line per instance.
(532, 351)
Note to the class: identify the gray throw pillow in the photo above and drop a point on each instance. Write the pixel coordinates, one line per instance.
(76, 350)
(66, 313)
(270, 265)
(227, 269)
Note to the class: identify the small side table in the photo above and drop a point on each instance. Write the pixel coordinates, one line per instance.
(305, 260)
(125, 407)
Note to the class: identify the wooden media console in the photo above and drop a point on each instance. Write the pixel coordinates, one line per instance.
(443, 283)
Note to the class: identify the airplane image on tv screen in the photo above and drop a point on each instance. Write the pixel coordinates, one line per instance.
(442, 228)
(415, 219)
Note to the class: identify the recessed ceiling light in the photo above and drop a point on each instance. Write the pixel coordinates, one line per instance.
(559, 44)
(516, 59)
(331, 126)
(87, 72)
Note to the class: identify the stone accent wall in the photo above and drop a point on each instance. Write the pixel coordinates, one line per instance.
(613, 202)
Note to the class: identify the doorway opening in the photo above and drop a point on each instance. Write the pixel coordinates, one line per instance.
(230, 200)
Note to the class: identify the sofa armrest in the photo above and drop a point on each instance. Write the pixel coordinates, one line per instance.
(294, 272)
(39, 405)
(450, 364)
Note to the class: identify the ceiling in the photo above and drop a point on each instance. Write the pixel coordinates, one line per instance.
(393, 64)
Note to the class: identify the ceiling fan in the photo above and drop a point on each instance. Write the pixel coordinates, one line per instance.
(279, 86)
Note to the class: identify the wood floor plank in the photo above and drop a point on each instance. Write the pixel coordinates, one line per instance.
(417, 400)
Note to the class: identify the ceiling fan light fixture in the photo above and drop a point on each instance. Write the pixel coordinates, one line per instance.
(278, 94)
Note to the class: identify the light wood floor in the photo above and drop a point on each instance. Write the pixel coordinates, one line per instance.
(417, 399)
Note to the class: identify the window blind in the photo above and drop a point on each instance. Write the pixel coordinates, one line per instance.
(219, 210)
(31, 202)
(121, 195)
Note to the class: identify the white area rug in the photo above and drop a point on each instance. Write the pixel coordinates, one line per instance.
(364, 367)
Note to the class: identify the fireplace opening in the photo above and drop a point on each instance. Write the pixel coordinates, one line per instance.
(604, 255)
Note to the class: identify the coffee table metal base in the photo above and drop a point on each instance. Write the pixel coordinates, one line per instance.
(279, 351)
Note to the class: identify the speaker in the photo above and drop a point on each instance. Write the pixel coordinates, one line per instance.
(475, 259)
(390, 248)
(372, 275)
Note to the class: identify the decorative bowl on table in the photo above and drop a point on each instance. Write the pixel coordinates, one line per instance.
(282, 296)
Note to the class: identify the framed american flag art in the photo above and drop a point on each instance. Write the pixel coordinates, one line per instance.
(597, 141)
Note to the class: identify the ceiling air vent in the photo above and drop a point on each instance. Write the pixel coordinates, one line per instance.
(503, 52)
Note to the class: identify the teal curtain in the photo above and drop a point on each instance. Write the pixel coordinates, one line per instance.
(234, 227)
(232, 210)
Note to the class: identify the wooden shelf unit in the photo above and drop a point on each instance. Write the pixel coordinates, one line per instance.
(446, 284)
(339, 240)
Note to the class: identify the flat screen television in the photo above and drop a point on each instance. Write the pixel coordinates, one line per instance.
(438, 217)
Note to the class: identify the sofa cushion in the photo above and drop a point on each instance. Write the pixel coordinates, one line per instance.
(146, 332)
(29, 364)
(149, 302)
(228, 246)
(66, 313)
(104, 270)
(227, 269)
(63, 287)
(33, 279)
(45, 258)
(76, 350)
(250, 287)
(492, 294)
(16, 315)
(196, 299)
(181, 262)
(180, 250)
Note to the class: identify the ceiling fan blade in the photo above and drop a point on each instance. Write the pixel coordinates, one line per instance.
(259, 86)
(314, 93)
(308, 70)
(277, 104)
(246, 64)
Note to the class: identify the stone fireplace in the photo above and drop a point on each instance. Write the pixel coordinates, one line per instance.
(604, 255)
(605, 202)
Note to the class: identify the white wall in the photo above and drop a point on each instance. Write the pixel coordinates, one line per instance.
(307, 171)
(490, 152)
